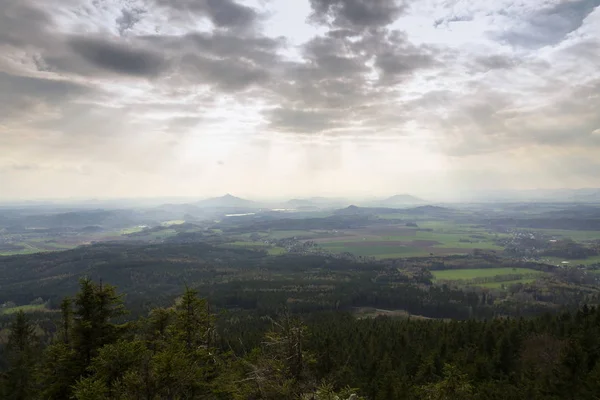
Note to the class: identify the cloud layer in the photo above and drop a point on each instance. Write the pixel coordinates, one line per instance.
(194, 97)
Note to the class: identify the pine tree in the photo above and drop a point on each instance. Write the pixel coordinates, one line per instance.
(20, 348)
(193, 324)
(82, 332)
(96, 306)
(455, 385)
(58, 369)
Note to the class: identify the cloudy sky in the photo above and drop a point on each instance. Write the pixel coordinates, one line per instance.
(128, 98)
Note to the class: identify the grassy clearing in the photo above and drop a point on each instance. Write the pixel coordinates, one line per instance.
(37, 246)
(128, 231)
(173, 222)
(368, 312)
(453, 240)
(500, 285)
(26, 309)
(276, 251)
(414, 243)
(466, 274)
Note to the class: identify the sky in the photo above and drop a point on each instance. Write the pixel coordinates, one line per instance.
(273, 98)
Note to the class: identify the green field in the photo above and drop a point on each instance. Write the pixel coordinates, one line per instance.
(276, 251)
(36, 246)
(432, 237)
(473, 277)
(27, 308)
(173, 222)
(466, 274)
(128, 231)
(499, 285)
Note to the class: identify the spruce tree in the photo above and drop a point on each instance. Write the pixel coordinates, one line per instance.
(20, 349)
(96, 305)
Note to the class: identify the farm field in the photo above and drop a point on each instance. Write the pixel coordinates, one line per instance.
(499, 285)
(461, 274)
(431, 237)
(34, 243)
(26, 309)
(484, 277)
(35, 246)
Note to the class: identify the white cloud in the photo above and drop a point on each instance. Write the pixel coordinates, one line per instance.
(126, 98)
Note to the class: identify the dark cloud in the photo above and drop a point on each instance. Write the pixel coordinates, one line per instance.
(222, 13)
(128, 19)
(493, 62)
(23, 24)
(95, 56)
(22, 94)
(226, 61)
(119, 57)
(347, 81)
(356, 13)
(403, 62)
(448, 21)
(259, 49)
(331, 79)
(549, 26)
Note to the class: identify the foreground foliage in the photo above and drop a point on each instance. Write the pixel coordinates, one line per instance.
(185, 352)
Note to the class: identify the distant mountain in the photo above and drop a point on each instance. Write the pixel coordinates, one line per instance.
(85, 218)
(316, 202)
(354, 210)
(421, 210)
(227, 201)
(399, 200)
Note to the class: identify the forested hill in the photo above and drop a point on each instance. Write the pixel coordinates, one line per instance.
(185, 352)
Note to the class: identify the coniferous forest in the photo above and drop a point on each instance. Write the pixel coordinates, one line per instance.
(186, 351)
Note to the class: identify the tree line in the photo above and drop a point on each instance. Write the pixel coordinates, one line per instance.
(186, 351)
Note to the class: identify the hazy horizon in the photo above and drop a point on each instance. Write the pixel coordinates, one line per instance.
(120, 99)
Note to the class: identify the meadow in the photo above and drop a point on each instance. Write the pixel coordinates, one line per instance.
(491, 278)
(26, 308)
(429, 238)
(464, 274)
